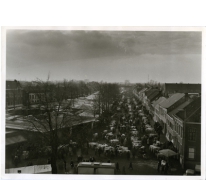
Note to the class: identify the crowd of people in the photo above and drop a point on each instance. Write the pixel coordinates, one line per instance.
(125, 133)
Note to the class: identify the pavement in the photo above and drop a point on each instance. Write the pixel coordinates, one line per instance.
(140, 165)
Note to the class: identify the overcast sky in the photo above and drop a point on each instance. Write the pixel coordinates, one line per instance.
(112, 56)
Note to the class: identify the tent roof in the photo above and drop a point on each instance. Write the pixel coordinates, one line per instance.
(15, 139)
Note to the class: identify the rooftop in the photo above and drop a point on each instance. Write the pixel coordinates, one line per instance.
(171, 100)
(149, 91)
(153, 95)
(174, 111)
(182, 88)
(161, 99)
(192, 111)
(144, 89)
(11, 85)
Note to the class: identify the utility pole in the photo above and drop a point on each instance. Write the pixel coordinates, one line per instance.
(14, 96)
(148, 78)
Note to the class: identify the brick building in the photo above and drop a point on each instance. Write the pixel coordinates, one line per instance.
(13, 94)
(190, 117)
(168, 105)
(171, 88)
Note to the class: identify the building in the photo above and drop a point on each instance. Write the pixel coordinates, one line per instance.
(36, 169)
(141, 94)
(168, 105)
(190, 119)
(154, 94)
(31, 97)
(172, 122)
(172, 88)
(155, 108)
(179, 113)
(13, 94)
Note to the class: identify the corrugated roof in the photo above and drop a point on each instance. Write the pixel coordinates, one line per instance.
(174, 111)
(15, 139)
(161, 99)
(143, 90)
(153, 95)
(150, 91)
(190, 108)
(171, 100)
(182, 88)
(11, 85)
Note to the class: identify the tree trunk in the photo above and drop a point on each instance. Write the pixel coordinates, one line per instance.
(53, 160)
(54, 167)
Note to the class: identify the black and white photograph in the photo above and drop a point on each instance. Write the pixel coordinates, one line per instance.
(113, 102)
(103, 102)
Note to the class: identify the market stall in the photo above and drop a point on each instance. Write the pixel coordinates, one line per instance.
(114, 141)
(92, 144)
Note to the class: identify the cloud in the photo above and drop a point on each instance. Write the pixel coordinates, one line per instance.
(26, 49)
(92, 44)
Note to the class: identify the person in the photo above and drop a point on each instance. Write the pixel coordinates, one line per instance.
(158, 165)
(16, 160)
(81, 158)
(78, 158)
(163, 165)
(145, 156)
(99, 151)
(75, 169)
(166, 168)
(93, 159)
(72, 164)
(123, 170)
(65, 165)
(158, 137)
(30, 164)
(148, 142)
(128, 155)
(117, 166)
(95, 151)
(122, 140)
(143, 129)
(130, 166)
(116, 152)
(134, 153)
(112, 154)
(155, 140)
(70, 151)
(48, 161)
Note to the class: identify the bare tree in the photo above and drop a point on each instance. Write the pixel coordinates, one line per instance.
(95, 104)
(55, 118)
(108, 92)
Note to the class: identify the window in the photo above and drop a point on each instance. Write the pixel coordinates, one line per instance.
(191, 154)
(176, 126)
(192, 134)
(181, 132)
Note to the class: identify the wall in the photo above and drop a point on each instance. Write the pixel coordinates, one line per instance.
(192, 143)
(13, 98)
